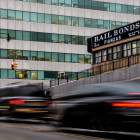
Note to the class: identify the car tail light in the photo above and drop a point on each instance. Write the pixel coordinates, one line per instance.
(126, 104)
(47, 103)
(16, 102)
(134, 93)
(50, 103)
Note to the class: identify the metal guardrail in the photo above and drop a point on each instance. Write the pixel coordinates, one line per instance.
(98, 69)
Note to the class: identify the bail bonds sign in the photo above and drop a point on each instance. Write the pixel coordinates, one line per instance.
(118, 34)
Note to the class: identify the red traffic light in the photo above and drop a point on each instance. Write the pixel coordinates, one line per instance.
(12, 65)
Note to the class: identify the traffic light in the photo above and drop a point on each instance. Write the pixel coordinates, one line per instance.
(12, 65)
(8, 38)
(15, 65)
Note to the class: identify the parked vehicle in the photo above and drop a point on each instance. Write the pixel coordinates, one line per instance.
(24, 101)
(105, 106)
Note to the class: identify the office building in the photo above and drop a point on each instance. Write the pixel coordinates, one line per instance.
(49, 37)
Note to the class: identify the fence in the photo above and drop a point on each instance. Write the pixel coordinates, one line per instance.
(98, 69)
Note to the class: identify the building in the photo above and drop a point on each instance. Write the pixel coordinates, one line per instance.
(49, 37)
(115, 49)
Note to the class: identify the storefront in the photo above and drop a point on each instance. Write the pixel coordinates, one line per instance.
(119, 45)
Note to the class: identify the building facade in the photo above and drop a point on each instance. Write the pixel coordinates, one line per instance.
(49, 37)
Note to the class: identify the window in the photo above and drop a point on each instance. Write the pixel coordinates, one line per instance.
(81, 3)
(112, 7)
(41, 18)
(106, 24)
(74, 3)
(11, 14)
(61, 57)
(4, 53)
(101, 6)
(61, 39)
(114, 52)
(98, 57)
(18, 35)
(34, 55)
(34, 75)
(88, 59)
(119, 51)
(81, 58)
(128, 49)
(55, 2)
(88, 4)
(81, 40)
(118, 8)
(4, 74)
(48, 18)
(67, 20)
(61, 2)
(19, 15)
(124, 8)
(94, 23)
(3, 14)
(68, 3)
(109, 54)
(74, 58)
(112, 24)
(74, 39)
(54, 38)
(41, 37)
(26, 16)
(26, 55)
(104, 58)
(54, 19)
(41, 56)
(68, 39)
(134, 50)
(11, 74)
(34, 17)
(26, 36)
(94, 5)
(19, 54)
(11, 54)
(47, 1)
(124, 50)
(100, 24)
(81, 22)
(40, 75)
(106, 6)
(55, 57)
(48, 56)
(138, 47)
(12, 34)
(48, 75)
(88, 22)
(48, 37)
(61, 20)
(67, 57)
(74, 21)
(130, 9)
(136, 10)
(34, 36)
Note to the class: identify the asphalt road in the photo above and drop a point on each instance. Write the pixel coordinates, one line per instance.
(27, 130)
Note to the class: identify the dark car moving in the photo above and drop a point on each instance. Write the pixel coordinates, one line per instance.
(100, 107)
(24, 101)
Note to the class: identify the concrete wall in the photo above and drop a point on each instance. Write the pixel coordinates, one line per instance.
(117, 75)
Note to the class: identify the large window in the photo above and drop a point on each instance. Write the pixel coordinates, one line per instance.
(98, 57)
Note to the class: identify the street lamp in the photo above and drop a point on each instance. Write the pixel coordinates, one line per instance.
(8, 36)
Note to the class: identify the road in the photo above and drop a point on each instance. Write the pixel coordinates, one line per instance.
(28, 130)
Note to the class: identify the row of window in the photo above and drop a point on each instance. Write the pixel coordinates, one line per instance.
(39, 75)
(45, 56)
(44, 37)
(91, 4)
(117, 52)
(56, 19)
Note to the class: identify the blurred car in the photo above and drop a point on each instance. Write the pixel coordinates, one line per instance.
(105, 106)
(24, 101)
